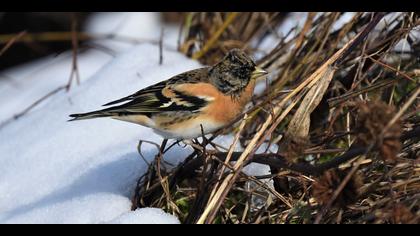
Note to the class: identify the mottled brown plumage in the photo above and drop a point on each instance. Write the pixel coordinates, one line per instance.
(176, 108)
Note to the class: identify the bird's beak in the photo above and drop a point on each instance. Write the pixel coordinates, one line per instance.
(258, 72)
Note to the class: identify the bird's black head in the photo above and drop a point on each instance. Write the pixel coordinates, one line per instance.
(240, 64)
(233, 73)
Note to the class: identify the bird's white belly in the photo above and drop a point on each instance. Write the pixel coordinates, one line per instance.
(189, 130)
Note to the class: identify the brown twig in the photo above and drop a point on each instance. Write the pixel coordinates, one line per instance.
(32, 106)
(398, 72)
(75, 43)
(11, 42)
(378, 17)
(160, 47)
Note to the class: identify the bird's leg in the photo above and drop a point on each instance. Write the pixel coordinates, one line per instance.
(170, 146)
(162, 146)
(205, 140)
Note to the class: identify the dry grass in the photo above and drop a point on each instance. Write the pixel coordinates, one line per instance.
(346, 131)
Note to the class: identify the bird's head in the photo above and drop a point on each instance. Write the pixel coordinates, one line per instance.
(234, 72)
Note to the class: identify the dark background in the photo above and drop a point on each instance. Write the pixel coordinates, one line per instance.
(14, 23)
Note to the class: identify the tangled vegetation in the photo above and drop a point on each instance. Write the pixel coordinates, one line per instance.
(337, 123)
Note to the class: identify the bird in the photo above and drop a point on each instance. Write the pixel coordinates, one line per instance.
(189, 104)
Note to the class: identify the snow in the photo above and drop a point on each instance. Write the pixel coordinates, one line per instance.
(54, 171)
(130, 24)
(82, 171)
(28, 83)
(145, 216)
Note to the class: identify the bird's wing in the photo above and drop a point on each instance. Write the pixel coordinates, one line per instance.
(163, 96)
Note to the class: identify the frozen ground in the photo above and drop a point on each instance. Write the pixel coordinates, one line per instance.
(82, 172)
(53, 171)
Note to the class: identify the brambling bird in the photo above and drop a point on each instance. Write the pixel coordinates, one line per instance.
(209, 97)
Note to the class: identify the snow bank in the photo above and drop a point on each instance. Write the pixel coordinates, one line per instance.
(145, 216)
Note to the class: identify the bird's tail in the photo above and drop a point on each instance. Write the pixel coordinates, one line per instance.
(90, 115)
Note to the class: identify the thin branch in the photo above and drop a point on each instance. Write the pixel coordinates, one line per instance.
(398, 72)
(32, 106)
(11, 42)
(160, 47)
(359, 39)
(75, 45)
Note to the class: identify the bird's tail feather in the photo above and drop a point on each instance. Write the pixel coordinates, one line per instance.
(90, 115)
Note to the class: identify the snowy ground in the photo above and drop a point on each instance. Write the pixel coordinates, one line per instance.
(60, 169)
(52, 171)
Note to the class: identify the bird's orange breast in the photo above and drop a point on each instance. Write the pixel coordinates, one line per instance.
(222, 108)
